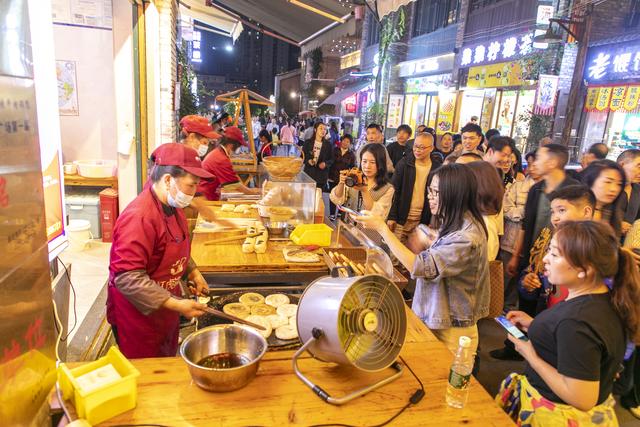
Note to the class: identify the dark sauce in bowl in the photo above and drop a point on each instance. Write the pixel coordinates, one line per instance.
(224, 361)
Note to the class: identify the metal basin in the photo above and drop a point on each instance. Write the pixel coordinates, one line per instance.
(219, 339)
(277, 228)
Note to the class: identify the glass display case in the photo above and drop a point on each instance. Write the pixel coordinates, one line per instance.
(293, 200)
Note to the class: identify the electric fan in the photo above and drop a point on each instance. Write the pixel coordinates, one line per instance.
(355, 321)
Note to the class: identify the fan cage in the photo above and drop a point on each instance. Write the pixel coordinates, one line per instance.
(367, 345)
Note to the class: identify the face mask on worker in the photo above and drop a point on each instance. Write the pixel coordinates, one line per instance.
(181, 200)
(202, 149)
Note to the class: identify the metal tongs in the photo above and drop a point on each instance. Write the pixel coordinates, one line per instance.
(221, 314)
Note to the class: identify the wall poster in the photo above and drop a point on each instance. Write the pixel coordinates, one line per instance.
(67, 88)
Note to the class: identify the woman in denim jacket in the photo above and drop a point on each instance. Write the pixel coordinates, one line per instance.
(451, 268)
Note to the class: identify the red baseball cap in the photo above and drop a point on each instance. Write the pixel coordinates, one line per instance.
(173, 154)
(234, 132)
(199, 125)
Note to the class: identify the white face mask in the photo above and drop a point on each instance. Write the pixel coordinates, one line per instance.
(181, 200)
(202, 149)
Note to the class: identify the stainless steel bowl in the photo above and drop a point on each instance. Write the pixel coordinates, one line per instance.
(277, 228)
(234, 339)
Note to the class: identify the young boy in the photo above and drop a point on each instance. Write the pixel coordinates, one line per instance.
(570, 203)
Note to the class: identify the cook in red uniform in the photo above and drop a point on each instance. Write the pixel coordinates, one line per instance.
(150, 256)
(218, 163)
(198, 134)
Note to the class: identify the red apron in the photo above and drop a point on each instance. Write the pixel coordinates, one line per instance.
(156, 334)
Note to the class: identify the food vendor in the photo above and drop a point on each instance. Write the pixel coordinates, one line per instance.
(218, 163)
(197, 133)
(150, 256)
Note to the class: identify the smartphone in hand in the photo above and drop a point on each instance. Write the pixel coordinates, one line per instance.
(349, 210)
(511, 328)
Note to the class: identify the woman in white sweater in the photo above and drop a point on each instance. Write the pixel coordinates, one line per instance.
(376, 193)
(490, 197)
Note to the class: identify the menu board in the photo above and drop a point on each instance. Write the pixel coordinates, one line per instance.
(84, 13)
(446, 112)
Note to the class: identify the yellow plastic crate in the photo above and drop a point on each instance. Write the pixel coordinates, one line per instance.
(108, 400)
(312, 234)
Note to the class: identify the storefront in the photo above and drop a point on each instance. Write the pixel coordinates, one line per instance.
(611, 111)
(498, 93)
(427, 98)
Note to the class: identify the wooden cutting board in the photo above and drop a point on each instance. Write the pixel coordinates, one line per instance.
(229, 257)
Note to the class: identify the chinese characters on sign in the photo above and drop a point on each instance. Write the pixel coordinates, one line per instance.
(510, 48)
(612, 98)
(546, 95)
(613, 63)
(394, 113)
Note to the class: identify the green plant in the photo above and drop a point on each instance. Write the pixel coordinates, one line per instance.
(539, 127)
(188, 101)
(392, 30)
(375, 113)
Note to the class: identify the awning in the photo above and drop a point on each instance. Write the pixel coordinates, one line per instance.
(215, 18)
(348, 29)
(338, 97)
(296, 20)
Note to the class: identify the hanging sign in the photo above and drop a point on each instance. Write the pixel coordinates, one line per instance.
(546, 95)
(500, 49)
(625, 99)
(503, 74)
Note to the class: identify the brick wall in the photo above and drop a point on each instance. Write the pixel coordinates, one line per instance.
(608, 18)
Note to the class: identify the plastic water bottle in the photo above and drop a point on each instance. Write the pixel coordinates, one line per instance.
(460, 374)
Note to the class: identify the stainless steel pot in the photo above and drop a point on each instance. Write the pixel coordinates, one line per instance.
(220, 339)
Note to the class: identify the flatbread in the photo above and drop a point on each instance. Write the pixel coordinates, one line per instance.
(289, 310)
(237, 309)
(287, 332)
(227, 207)
(276, 300)
(300, 256)
(262, 310)
(277, 320)
(251, 298)
(262, 321)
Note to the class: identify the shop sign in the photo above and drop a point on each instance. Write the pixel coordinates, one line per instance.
(350, 104)
(394, 111)
(546, 95)
(503, 74)
(613, 63)
(612, 98)
(446, 112)
(428, 84)
(350, 60)
(500, 49)
(545, 12)
(487, 108)
(434, 64)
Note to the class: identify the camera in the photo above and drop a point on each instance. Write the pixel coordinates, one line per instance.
(354, 177)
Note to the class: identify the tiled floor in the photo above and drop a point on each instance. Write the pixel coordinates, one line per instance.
(89, 272)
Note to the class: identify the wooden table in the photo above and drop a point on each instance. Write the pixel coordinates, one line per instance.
(276, 397)
(81, 181)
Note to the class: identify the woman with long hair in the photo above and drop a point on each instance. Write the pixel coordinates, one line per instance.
(607, 180)
(318, 155)
(450, 265)
(375, 194)
(575, 348)
(490, 198)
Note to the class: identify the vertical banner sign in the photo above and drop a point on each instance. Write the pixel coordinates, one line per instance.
(617, 98)
(446, 112)
(631, 99)
(546, 95)
(394, 111)
(604, 95)
(487, 108)
(592, 97)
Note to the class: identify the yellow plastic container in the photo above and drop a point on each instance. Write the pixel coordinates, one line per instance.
(108, 400)
(312, 234)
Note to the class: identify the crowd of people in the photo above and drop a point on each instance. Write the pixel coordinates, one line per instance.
(447, 206)
(451, 207)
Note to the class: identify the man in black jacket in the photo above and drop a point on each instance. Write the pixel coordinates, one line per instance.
(550, 162)
(411, 180)
(402, 145)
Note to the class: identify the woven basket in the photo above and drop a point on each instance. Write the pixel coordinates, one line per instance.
(496, 281)
(283, 168)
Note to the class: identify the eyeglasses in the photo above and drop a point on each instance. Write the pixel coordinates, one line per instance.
(432, 192)
(422, 148)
